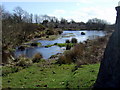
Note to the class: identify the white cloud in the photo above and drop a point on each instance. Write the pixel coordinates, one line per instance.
(88, 9)
(83, 14)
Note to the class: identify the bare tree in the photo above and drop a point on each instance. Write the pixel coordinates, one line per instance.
(19, 12)
(63, 21)
(26, 17)
(72, 21)
(97, 24)
(46, 17)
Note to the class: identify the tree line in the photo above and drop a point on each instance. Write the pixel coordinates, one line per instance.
(20, 16)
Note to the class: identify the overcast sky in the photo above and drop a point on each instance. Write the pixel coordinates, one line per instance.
(78, 10)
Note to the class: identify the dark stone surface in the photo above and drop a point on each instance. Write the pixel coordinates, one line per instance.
(109, 72)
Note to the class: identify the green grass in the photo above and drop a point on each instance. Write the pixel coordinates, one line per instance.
(64, 44)
(84, 77)
(49, 46)
(52, 76)
(60, 44)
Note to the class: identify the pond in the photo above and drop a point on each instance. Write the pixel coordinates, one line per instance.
(48, 52)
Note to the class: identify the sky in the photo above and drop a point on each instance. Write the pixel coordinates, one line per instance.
(78, 10)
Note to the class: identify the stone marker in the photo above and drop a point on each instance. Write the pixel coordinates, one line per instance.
(109, 72)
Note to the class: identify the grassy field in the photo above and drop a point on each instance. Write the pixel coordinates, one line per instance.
(52, 76)
(69, 71)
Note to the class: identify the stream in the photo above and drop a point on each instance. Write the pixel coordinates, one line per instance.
(66, 35)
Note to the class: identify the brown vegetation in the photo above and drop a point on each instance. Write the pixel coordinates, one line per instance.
(85, 53)
(37, 57)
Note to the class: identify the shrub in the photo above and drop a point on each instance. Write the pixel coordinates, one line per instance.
(50, 32)
(88, 53)
(73, 40)
(68, 47)
(60, 31)
(47, 36)
(62, 60)
(67, 41)
(24, 62)
(36, 58)
(41, 27)
(72, 55)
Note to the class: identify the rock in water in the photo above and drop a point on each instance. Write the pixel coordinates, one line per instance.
(82, 33)
(109, 72)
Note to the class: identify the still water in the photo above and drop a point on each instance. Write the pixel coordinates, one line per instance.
(48, 52)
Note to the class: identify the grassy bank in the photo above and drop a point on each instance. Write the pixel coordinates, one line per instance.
(52, 76)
